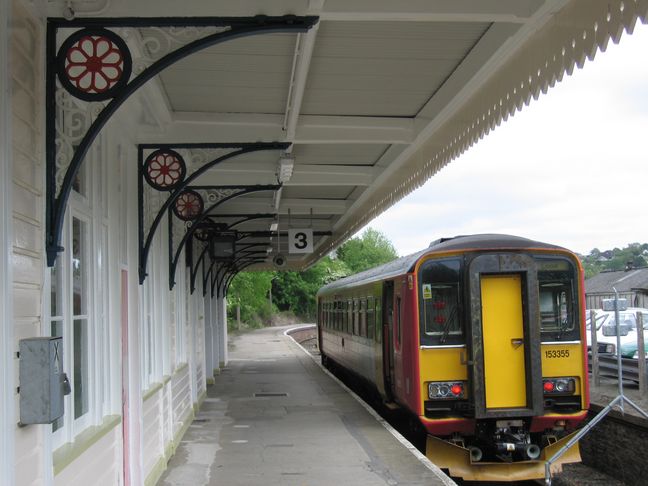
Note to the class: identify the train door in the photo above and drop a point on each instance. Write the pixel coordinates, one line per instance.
(502, 322)
(388, 336)
(506, 365)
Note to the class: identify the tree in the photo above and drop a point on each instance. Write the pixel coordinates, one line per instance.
(371, 249)
(250, 291)
(617, 259)
(296, 291)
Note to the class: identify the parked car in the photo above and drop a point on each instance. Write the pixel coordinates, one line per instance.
(606, 328)
(629, 350)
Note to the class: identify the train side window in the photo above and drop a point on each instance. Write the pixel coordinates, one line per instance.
(440, 302)
(336, 315)
(363, 317)
(398, 320)
(354, 316)
(558, 309)
(378, 320)
(370, 317)
(349, 314)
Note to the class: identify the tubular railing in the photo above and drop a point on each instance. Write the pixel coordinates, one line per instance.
(604, 363)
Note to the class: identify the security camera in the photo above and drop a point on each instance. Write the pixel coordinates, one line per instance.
(279, 261)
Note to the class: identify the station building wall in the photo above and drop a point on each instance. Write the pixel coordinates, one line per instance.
(135, 354)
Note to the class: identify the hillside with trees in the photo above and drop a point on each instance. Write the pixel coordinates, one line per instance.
(634, 255)
(260, 294)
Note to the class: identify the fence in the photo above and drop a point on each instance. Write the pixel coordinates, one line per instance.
(618, 366)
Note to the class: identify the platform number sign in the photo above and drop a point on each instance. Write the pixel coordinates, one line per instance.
(300, 241)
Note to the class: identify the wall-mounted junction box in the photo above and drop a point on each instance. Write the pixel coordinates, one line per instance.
(43, 383)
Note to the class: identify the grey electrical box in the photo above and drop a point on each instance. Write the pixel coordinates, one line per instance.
(42, 380)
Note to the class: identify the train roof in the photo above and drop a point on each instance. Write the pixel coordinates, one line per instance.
(463, 242)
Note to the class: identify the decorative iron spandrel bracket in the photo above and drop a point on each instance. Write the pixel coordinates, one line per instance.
(190, 209)
(165, 176)
(223, 276)
(94, 65)
(214, 227)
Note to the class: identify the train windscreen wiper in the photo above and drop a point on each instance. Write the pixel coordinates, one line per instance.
(446, 326)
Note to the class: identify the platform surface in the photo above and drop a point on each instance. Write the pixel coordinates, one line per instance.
(274, 417)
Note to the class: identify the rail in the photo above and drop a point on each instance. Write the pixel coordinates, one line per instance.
(608, 366)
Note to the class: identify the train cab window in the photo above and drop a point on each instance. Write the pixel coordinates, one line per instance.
(440, 298)
(556, 289)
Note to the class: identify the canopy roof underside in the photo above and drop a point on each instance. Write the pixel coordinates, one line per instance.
(375, 99)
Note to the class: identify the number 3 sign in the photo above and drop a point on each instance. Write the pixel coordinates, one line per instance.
(300, 241)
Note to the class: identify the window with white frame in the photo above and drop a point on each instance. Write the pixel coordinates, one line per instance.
(154, 316)
(79, 310)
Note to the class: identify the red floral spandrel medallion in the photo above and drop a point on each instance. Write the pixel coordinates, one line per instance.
(188, 206)
(164, 169)
(93, 64)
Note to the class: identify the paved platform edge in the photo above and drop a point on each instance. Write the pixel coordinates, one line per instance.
(397, 435)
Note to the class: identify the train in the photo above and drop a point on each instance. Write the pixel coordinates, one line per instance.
(480, 339)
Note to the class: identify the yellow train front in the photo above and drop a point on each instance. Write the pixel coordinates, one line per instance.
(482, 338)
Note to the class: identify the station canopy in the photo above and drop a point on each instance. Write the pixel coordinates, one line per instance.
(371, 101)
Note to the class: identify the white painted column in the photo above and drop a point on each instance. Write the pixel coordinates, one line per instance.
(7, 363)
(222, 328)
(215, 364)
(135, 453)
(192, 318)
(209, 344)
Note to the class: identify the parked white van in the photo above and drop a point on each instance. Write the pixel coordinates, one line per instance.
(606, 327)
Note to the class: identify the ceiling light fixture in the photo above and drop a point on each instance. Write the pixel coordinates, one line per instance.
(285, 168)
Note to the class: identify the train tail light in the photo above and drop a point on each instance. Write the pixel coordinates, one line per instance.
(559, 386)
(446, 390)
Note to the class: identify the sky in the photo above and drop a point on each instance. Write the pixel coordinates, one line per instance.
(570, 169)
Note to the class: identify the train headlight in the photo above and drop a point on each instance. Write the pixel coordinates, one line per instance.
(445, 390)
(559, 386)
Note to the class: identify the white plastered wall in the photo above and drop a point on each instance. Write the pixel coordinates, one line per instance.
(29, 444)
(6, 305)
(26, 454)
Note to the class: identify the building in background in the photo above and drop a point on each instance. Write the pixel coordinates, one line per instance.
(631, 284)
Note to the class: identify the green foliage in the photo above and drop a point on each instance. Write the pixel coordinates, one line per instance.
(635, 254)
(295, 291)
(368, 251)
(250, 290)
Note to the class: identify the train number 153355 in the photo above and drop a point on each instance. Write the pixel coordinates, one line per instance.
(557, 353)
